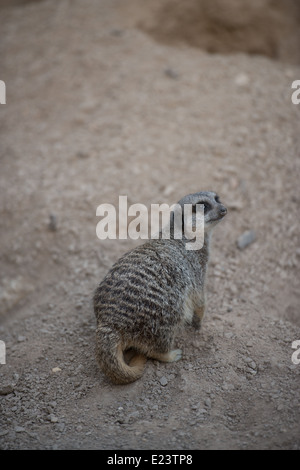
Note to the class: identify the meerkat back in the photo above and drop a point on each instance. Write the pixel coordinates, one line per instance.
(148, 294)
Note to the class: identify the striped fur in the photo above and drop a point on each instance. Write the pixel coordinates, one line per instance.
(145, 298)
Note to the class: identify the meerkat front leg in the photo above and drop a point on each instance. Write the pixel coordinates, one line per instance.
(197, 317)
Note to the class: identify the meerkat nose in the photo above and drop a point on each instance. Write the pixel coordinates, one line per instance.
(223, 210)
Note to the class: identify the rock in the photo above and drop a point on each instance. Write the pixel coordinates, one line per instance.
(60, 427)
(201, 411)
(246, 239)
(242, 80)
(227, 386)
(6, 389)
(168, 190)
(52, 418)
(163, 381)
(52, 225)
(12, 291)
(228, 335)
(117, 32)
(19, 429)
(171, 73)
(207, 403)
(248, 359)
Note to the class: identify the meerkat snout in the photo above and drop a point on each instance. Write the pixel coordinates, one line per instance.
(223, 210)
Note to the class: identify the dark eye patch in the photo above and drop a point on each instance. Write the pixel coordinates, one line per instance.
(217, 199)
(206, 205)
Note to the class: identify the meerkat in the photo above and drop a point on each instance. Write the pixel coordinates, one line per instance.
(149, 293)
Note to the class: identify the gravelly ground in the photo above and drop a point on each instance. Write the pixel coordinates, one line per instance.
(95, 109)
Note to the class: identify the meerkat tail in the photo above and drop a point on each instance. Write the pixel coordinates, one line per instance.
(109, 352)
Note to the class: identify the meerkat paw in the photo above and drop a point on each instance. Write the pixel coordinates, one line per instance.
(175, 355)
(171, 356)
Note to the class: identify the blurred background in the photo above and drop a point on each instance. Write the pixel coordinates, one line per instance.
(153, 100)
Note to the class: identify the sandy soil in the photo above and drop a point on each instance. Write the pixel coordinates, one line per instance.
(99, 105)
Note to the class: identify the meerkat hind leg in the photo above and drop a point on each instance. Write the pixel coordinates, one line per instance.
(171, 356)
(129, 354)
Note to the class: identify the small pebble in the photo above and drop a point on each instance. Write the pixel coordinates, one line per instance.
(52, 225)
(171, 73)
(163, 381)
(6, 389)
(53, 419)
(19, 429)
(207, 402)
(242, 80)
(246, 239)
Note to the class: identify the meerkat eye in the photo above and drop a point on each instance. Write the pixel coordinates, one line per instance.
(217, 199)
(206, 205)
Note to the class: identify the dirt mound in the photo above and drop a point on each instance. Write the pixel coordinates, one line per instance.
(266, 27)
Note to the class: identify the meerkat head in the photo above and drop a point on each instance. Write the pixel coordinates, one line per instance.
(213, 209)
